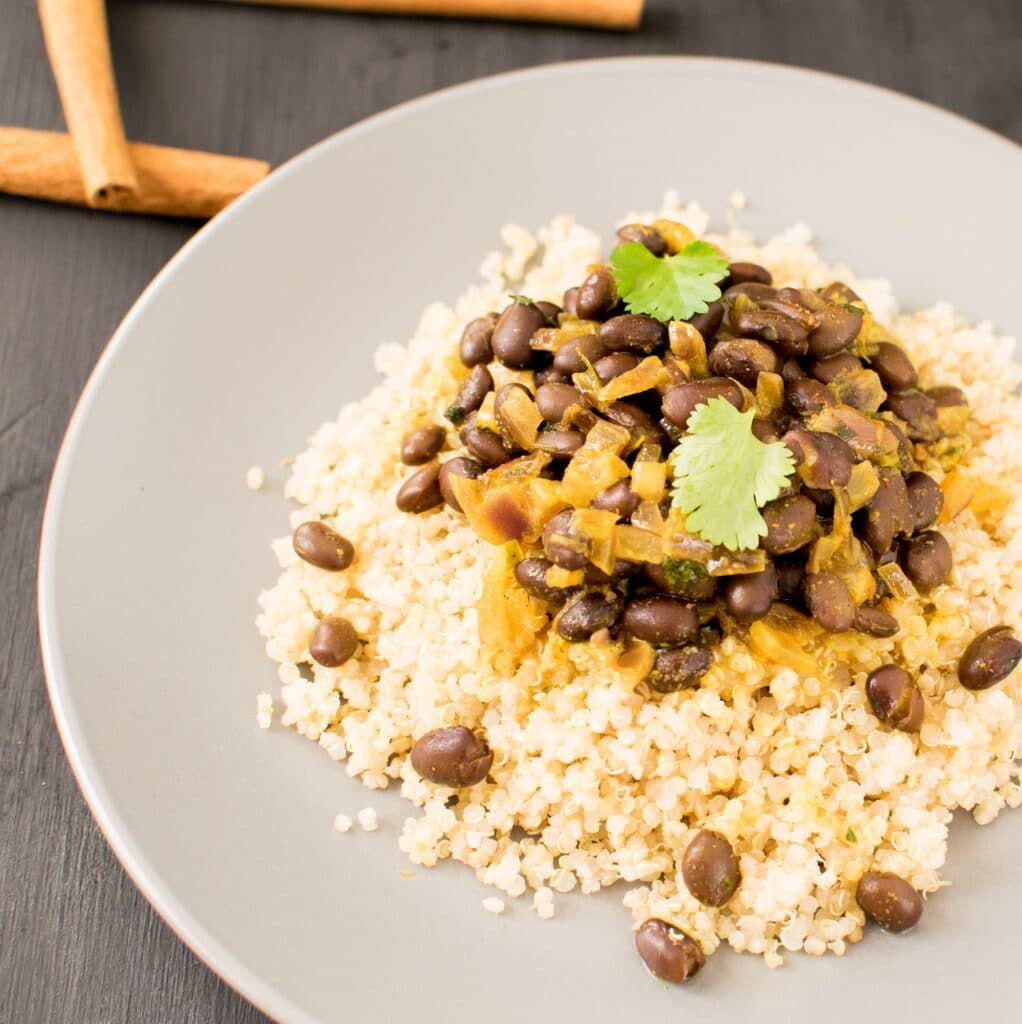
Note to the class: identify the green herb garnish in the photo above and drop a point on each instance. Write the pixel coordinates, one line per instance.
(683, 573)
(723, 475)
(455, 414)
(851, 837)
(672, 287)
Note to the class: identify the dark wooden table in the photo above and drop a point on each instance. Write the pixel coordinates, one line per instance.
(77, 941)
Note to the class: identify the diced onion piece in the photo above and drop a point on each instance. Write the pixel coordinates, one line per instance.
(869, 438)
(688, 344)
(769, 393)
(990, 501)
(781, 647)
(634, 663)
(505, 375)
(897, 582)
(601, 554)
(486, 419)
(550, 339)
(959, 489)
(589, 385)
(509, 618)
(735, 563)
(869, 334)
(509, 510)
(644, 377)
(647, 517)
(590, 471)
(635, 545)
(861, 389)
(860, 582)
(609, 437)
(520, 418)
(528, 465)
(594, 524)
(862, 485)
(649, 479)
(674, 233)
(558, 577)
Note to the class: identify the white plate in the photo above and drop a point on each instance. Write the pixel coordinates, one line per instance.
(153, 550)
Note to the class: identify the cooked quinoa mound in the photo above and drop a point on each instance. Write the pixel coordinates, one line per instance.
(609, 782)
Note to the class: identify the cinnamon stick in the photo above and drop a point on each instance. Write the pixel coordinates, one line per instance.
(171, 182)
(79, 47)
(614, 14)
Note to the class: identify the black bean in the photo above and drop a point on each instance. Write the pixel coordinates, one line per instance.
(710, 869)
(889, 901)
(571, 357)
(619, 498)
(474, 388)
(790, 581)
(823, 500)
(946, 396)
(744, 359)
(320, 545)
(806, 397)
(668, 952)
(553, 400)
(597, 295)
(559, 444)
(570, 301)
(888, 514)
(755, 290)
(895, 698)
(658, 619)
(637, 422)
(531, 576)
(925, 499)
(749, 596)
(875, 621)
(991, 657)
(927, 559)
(454, 756)
(707, 323)
(764, 430)
(679, 668)
(459, 466)
(833, 367)
(615, 364)
(421, 491)
(333, 641)
(586, 614)
(791, 371)
(631, 332)
(620, 571)
(475, 348)
(830, 601)
(824, 460)
(422, 444)
(696, 585)
(647, 236)
(893, 367)
(791, 524)
(550, 375)
(746, 273)
(513, 332)
(838, 291)
(561, 551)
(838, 327)
(550, 310)
(790, 302)
(906, 458)
(487, 446)
(785, 334)
(918, 411)
(681, 400)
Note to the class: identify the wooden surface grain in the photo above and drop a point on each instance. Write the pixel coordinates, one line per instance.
(77, 941)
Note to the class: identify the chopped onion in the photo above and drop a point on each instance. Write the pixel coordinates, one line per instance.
(689, 346)
(781, 646)
(519, 418)
(647, 375)
(674, 233)
(510, 509)
(769, 394)
(649, 479)
(486, 418)
(550, 339)
(558, 577)
(590, 471)
(959, 489)
(869, 438)
(509, 618)
(633, 544)
(647, 517)
(897, 582)
(861, 389)
(862, 485)
(634, 663)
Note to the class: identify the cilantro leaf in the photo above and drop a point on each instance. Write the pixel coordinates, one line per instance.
(723, 475)
(669, 288)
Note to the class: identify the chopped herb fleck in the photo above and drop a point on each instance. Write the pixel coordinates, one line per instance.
(455, 414)
(682, 573)
(851, 837)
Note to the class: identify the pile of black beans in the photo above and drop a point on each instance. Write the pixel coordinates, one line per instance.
(807, 338)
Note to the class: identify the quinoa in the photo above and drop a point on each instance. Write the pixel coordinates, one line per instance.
(604, 783)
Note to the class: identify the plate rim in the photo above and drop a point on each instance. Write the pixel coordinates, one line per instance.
(132, 859)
